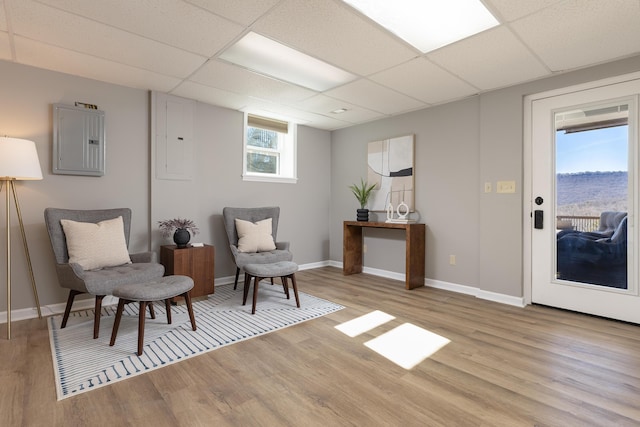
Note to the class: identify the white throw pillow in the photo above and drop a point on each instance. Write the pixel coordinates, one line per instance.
(254, 237)
(98, 245)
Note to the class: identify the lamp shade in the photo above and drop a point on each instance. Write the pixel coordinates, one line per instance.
(19, 159)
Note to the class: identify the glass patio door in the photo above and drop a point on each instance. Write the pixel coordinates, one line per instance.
(583, 207)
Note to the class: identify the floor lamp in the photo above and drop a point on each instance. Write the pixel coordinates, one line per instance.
(18, 162)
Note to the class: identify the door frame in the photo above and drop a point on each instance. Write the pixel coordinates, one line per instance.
(527, 182)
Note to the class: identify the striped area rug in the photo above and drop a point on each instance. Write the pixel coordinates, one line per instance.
(82, 364)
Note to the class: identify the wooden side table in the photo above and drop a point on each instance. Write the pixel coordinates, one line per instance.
(195, 262)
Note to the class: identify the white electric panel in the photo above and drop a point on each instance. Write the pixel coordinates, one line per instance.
(78, 141)
(174, 117)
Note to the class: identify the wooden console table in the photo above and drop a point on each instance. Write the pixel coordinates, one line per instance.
(415, 252)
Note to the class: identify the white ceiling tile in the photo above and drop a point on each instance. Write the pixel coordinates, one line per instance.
(242, 11)
(334, 33)
(166, 45)
(506, 63)
(324, 105)
(210, 95)
(239, 80)
(5, 47)
(3, 17)
(511, 10)
(576, 33)
(33, 21)
(375, 97)
(173, 22)
(293, 114)
(327, 123)
(280, 112)
(437, 85)
(52, 58)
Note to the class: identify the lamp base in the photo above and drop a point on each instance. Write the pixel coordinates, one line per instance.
(10, 185)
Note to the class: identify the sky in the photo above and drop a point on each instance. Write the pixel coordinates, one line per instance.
(602, 150)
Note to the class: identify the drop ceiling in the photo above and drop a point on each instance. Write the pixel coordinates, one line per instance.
(174, 46)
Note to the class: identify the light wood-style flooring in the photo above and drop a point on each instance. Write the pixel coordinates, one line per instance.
(504, 366)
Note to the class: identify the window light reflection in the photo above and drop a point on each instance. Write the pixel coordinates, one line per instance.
(407, 345)
(364, 323)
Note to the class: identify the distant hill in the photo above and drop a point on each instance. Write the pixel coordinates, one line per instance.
(589, 193)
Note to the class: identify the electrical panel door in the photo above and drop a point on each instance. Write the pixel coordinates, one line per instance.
(78, 141)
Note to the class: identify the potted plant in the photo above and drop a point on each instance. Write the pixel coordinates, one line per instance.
(181, 228)
(362, 192)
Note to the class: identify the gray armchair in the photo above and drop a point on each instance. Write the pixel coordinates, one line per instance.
(99, 282)
(281, 253)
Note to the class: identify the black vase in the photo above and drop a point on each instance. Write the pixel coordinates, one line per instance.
(363, 215)
(181, 237)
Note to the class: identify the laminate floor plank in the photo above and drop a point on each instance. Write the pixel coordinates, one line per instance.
(504, 366)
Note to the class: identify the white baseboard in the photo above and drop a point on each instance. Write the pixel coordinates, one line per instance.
(453, 287)
(476, 292)
(83, 304)
(53, 309)
(384, 273)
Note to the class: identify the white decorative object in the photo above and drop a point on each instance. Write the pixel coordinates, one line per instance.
(402, 211)
(391, 166)
(404, 206)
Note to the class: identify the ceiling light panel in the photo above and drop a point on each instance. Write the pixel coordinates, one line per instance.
(266, 56)
(428, 25)
(334, 32)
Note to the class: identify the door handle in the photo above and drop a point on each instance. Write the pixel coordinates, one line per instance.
(538, 219)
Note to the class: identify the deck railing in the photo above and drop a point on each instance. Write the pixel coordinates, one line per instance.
(578, 222)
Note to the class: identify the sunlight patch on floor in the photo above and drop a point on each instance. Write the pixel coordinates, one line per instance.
(364, 323)
(407, 345)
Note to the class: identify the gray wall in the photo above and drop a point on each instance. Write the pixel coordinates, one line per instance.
(218, 183)
(446, 173)
(26, 112)
(459, 147)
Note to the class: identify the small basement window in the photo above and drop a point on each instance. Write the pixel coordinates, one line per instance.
(269, 150)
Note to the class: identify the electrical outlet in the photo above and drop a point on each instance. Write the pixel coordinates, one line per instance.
(452, 259)
(364, 249)
(487, 187)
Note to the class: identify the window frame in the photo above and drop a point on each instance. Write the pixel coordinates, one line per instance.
(287, 151)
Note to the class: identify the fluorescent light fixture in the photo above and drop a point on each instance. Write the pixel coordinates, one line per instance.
(428, 25)
(266, 56)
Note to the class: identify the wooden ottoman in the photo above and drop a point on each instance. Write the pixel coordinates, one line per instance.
(163, 288)
(283, 269)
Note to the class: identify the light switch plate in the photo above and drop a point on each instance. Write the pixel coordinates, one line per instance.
(506, 187)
